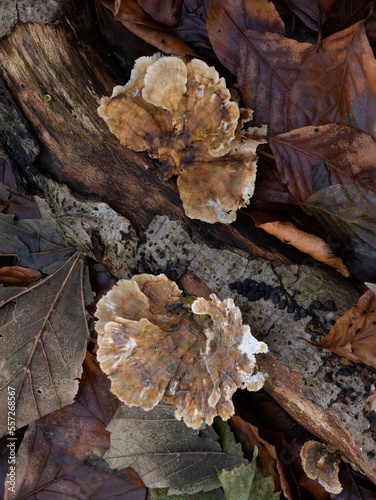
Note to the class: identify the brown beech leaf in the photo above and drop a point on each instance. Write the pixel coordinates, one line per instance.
(141, 24)
(337, 84)
(80, 428)
(305, 242)
(18, 276)
(43, 337)
(307, 11)
(268, 66)
(44, 471)
(354, 334)
(347, 212)
(349, 156)
(227, 20)
(266, 452)
(165, 452)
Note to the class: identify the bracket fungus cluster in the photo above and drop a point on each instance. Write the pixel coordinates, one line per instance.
(181, 112)
(321, 462)
(155, 344)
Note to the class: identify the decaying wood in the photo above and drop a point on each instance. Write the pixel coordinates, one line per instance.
(78, 151)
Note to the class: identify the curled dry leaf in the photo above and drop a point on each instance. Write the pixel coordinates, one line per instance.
(18, 276)
(43, 337)
(155, 346)
(319, 463)
(182, 113)
(305, 242)
(131, 14)
(354, 334)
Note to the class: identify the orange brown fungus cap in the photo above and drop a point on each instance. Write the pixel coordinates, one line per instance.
(320, 463)
(182, 113)
(155, 346)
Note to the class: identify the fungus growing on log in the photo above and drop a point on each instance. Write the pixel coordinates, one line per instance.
(181, 112)
(320, 462)
(155, 344)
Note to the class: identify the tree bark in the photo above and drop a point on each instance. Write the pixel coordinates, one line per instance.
(78, 152)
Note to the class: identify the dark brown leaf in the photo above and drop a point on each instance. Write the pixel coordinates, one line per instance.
(347, 211)
(165, 452)
(43, 337)
(348, 153)
(354, 334)
(18, 276)
(337, 84)
(80, 428)
(166, 12)
(227, 20)
(133, 17)
(308, 11)
(268, 66)
(46, 472)
(19, 204)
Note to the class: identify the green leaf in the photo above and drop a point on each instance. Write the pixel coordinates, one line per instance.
(165, 452)
(348, 212)
(246, 483)
(226, 438)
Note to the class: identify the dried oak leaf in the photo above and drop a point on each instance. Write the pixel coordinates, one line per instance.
(354, 334)
(80, 428)
(18, 276)
(183, 114)
(319, 464)
(164, 452)
(46, 472)
(305, 242)
(337, 84)
(227, 20)
(154, 345)
(43, 337)
(348, 153)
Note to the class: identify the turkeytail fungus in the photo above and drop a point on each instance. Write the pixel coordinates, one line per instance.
(181, 112)
(321, 463)
(155, 344)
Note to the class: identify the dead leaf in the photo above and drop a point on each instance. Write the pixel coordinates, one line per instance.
(337, 84)
(34, 242)
(305, 242)
(164, 452)
(19, 204)
(268, 67)
(348, 153)
(45, 471)
(43, 337)
(133, 17)
(308, 11)
(18, 276)
(80, 428)
(267, 453)
(271, 193)
(227, 21)
(354, 334)
(347, 212)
